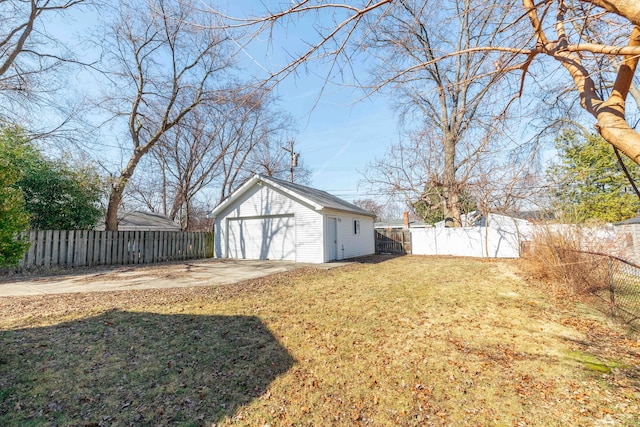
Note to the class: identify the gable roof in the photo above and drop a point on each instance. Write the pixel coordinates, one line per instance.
(152, 220)
(399, 223)
(634, 220)
(478, 219)
(319, 200)
(138, 220)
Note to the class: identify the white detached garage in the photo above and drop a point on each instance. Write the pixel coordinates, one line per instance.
(268, 218)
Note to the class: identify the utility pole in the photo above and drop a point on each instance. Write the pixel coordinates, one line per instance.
(294, 158)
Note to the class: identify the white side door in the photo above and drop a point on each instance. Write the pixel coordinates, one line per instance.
(332, 238)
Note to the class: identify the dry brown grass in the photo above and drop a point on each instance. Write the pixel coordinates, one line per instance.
(409, 341)
(576, 264)
(556, 257)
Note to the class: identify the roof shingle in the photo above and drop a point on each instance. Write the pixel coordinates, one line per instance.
(319, 197)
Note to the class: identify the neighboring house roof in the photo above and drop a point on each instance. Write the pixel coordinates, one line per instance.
(477, 218)
(534, 215)
(634, 220)
(319, 200)
(399, 223)
(138, 220)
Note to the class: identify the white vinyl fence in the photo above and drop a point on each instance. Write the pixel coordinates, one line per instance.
(468, 241)
(504, 241)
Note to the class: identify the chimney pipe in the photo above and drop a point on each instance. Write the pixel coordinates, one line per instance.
(406, 219)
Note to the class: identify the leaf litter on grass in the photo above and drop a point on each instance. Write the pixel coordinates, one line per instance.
(408, 341)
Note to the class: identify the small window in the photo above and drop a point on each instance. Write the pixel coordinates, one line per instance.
(356, 226)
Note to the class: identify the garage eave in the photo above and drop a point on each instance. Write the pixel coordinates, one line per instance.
(329, 211)
(316, 199)
(319, 201)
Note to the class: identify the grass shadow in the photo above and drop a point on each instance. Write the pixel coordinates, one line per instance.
(373, 259)
(122, 368)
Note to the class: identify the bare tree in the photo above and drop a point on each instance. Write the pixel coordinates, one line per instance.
(410, 169)
(145, 189)
(21, 43)
(192, 156)
(492, 182)
(372, 206)
(274, 158)
(259, 134)
(430, 57)
(270, 159)
(162, 67)
(215, 148)
(187, 157)
(507, 185)
(31, 60)
(454, 105)
(558, 27)
(555, 31)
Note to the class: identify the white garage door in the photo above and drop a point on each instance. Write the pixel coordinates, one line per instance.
(271, 237)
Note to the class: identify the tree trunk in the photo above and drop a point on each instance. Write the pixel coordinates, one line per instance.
(177, 204)
(451, 189)
(612, 122)
(164, 188)
(187, 214)
(452, 214)
(115, 197)
(610, 113)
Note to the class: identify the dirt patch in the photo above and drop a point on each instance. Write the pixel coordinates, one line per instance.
(163, 276)
(101, 273)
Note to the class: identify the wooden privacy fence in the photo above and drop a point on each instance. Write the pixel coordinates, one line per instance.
(393, 241)
(76, 248)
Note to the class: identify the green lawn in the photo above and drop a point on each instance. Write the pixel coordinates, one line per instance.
(410, 341)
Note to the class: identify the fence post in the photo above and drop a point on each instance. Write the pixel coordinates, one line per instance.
(64, 244)
(612, 293)
(71, 241)
(209, 245)
(25, 257)
(47, 246)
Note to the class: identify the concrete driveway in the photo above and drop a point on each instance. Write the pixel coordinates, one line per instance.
(174, 275)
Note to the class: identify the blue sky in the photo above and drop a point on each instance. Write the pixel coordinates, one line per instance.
(339, 133)
(338, 136)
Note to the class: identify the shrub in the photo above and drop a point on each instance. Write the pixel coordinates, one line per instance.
(571, 256)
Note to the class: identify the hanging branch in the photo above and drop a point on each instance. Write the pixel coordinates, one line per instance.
(626, 172)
